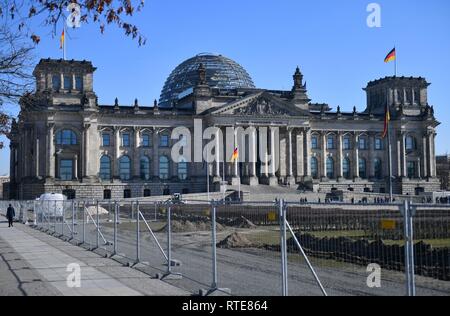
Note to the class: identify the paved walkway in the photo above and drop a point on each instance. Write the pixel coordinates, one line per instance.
(34, 263)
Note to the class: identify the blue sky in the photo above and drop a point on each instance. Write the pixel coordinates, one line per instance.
(329, 39)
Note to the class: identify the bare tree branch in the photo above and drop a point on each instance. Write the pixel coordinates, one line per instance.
(16, 61)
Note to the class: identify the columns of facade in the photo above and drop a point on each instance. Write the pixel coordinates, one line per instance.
(25, 160)
(300, 155)
(75, 167)
(50, 151)
(403, 155)
(236, 178)
(253, 153)
(370, 167)
(36, 154)
(324, 154)
(424, 157)
(432, 159)
(399, 157)
(155, 158)
(12, 163)
(136, 155)
(290, 162)
(308, 153)
(273, 180)
(340, 157)
(86, 148)
(217, 177)
(356, 153)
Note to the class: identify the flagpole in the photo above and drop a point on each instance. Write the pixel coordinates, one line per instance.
(64, 42)
(395, 61)
(389, 148)
(239, 175)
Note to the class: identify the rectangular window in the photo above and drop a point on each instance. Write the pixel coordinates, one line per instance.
(66, 169)
(56, 82)
(411, 169)
(125, 140)
(67, 82)
(106, 139)
(164, 141)
(127, 194)
(147, 193)
(378, 144)
(314, 142)
(79, 83)
(347, 143)
(146, 140)
(107, 194)
(362, 143)
(330, 142)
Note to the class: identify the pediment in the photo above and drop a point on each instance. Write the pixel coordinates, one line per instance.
(261, 104)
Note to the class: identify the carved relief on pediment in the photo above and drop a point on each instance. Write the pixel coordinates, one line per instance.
(261, 107)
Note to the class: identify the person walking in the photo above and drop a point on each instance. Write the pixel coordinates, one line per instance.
(10, 214)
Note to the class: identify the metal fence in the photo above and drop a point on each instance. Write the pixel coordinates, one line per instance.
(262, 248)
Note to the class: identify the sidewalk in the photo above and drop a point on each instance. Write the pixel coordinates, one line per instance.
(33, 263)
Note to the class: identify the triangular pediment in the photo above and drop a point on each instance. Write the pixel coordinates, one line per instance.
(261, 104)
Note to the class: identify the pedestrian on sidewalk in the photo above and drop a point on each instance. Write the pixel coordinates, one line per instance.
(10, 214)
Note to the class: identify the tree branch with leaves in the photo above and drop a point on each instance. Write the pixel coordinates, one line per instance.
(51, 12)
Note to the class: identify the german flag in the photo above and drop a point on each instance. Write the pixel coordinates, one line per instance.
(235, 155)
(387, 119)
(61, 40)
(391, 56)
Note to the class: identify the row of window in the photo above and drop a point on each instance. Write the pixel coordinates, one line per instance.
(346, 168)
(68, 137)
(68, 82)
(363, 143)
(146, 140)
(145, 168)
(362, 167)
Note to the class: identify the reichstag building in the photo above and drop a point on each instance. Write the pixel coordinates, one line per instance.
(65, 142)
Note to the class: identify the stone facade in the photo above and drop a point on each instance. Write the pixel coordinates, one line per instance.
(64, 141)
(443, 171)
(4, 187)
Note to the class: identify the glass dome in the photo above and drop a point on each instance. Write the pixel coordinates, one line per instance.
(221, 72)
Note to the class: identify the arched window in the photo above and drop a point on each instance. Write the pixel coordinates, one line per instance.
(314, 168)
(362, 168)
(125, 168)
(105, 168)
(66, 137)
(330, 142)
(330, 168)
(378, 167)
(182, 170)
(346, 168)
(163, 168)
(145, 168)
(410, 143)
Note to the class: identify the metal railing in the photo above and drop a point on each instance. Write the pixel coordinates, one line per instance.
(261, 248)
